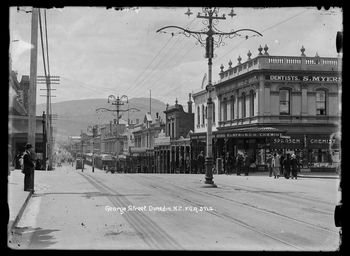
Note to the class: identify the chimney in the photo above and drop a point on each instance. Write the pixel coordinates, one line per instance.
(189, 104)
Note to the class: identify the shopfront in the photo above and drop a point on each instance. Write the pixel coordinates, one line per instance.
(313, 150)
(319, 154)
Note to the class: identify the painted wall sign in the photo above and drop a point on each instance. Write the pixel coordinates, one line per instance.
(303, 78)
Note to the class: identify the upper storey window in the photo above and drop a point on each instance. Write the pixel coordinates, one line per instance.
(284, 102)
(320, 102)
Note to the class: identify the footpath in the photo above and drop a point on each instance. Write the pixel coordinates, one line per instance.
(17, 198)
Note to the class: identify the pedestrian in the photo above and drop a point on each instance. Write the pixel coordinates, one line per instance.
(239, 163)
(287, 165)
(269, 163)
(294, 166)
(200, 161)
(277, 165)
(29, 160)
(281, 164)
(229, 163)
(16, 162)
(246, 164)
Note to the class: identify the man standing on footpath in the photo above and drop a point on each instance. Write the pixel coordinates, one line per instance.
(29, 159)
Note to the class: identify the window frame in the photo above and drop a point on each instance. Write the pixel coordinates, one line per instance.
(325, 102)
(288, 101)
(244, 109)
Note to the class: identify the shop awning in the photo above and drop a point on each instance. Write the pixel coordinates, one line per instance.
(106, 157)
(138, 150)
(249, 132)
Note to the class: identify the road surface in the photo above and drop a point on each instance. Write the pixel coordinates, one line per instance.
(84, 210)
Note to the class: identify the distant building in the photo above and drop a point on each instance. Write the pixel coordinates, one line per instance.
(144, 139)
(173, 148)
(112, 141)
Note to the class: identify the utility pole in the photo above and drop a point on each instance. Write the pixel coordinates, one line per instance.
(94, 130)
(32, 84)
(150, 102)
(82, 155)
(44, 139)
(117, 102)
(211, 19)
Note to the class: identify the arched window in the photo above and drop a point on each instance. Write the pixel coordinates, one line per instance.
(198, 116)
(203, 114)
(232, 107)
(243, 105)
(284, 102)
(320, 102)
(252, 97)
(213, 106)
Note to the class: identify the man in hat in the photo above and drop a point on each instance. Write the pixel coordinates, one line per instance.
(28, 167)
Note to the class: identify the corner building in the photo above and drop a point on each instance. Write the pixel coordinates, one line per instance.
(289, 104)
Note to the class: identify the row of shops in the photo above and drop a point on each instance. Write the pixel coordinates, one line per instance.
(180, 156)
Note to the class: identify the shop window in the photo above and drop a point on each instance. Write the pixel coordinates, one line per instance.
(243, 105)
(284, 102)
(321, 102)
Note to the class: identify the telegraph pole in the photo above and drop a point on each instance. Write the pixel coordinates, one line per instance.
(211, 18)
(117, 102)
(32, 84)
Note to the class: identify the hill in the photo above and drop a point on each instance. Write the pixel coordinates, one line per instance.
(74, 116)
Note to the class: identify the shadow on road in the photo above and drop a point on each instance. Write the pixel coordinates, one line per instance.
(31, 238)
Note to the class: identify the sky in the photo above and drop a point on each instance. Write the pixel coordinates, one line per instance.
(99, 52)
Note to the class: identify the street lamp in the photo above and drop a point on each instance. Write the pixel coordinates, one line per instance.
(211, 18)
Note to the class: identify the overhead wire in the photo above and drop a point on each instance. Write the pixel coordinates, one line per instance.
(266, 29)
(164, 62)
(237, 45)
(153, 61)
(134, 86)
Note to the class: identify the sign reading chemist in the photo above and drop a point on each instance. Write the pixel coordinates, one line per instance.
(303, 78)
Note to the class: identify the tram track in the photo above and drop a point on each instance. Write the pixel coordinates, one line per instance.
(148, 230)
(222, 215)
(253, 206)
(277, 195)
(266, 211)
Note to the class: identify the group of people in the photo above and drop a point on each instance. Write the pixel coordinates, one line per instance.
(278, 165)
(281, 165)
(242, 163)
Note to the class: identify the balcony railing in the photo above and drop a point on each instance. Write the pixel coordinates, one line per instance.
(281, 63)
